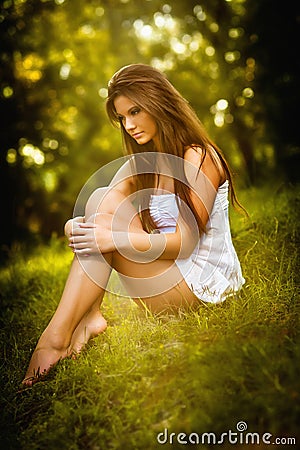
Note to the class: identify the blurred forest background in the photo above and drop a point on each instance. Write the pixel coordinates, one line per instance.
(234, 60)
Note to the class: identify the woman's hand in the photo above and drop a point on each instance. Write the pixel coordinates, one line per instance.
(88, 238)
(70, 224)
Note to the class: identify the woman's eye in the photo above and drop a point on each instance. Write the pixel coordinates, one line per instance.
(135, 111)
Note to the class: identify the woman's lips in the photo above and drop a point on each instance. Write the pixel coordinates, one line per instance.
(137, 135)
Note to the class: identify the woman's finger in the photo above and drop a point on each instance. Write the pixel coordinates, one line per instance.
(86, 225)
(84, 252)
(77, 233)
(79, 246)
(81, 238)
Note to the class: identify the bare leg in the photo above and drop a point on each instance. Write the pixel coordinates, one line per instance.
(79, 296)
(77, 317)
(157, 287)
(91, 325)
(102, 200)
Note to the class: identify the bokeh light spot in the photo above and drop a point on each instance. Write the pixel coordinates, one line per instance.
(222, 104)
(65, 71)
(11, 156)
(103, 92)
(248, 92)
(210, 51)
(7, 91)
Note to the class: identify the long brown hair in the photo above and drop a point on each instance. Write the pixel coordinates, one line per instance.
(177, 123)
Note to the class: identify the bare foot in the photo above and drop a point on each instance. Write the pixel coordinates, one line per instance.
(90, 326)
(42, 361)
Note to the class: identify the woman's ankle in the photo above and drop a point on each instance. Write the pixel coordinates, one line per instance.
(54, 340)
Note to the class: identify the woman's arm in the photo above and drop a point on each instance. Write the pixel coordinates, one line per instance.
(123, 180)
(145, 247)
(103, 236)
(106, 235)
(204, 182)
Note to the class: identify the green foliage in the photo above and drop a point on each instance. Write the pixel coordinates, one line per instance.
(200, 371)
(58, 55)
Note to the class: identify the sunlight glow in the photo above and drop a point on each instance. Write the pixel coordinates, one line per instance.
(170, 23)
(143, 31)
(146, 32)
(65, 71)
(186, 39)
(167, 8)
(194, 46)
(210, 51)
(138, 24)
(222, 104)
(32, 155)
(219, 119)
(88, 30)
(159, 20)
(103, 92)
(164, 21)
(29, 67)
(199, 13)
(177, 46)
(163, 65)
(218, 109)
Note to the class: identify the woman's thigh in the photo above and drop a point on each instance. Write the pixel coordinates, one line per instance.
(158, 286)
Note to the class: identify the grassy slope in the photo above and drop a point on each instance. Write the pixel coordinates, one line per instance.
(200, 372)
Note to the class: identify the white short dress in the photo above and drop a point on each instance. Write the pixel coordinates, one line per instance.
(213, 271)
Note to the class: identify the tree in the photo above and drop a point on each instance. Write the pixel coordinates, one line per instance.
(56, 59)
(273, 31)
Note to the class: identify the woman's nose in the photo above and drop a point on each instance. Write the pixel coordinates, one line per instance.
(129, 124)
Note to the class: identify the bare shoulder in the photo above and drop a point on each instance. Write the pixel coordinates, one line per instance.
(194, 154)
(208, 161)
(124, 180)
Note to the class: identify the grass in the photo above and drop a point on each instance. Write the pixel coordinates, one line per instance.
(196, 372)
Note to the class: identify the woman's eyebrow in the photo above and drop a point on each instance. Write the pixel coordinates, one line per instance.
(128, 111)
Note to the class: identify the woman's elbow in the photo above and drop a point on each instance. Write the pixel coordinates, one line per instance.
(187, 249)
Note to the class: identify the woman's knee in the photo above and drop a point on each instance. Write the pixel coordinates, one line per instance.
(103, 199)
(112, 201)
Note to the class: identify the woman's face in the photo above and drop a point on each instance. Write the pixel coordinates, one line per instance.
(138, 123)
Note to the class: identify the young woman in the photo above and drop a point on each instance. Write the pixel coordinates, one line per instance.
(162, 223)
